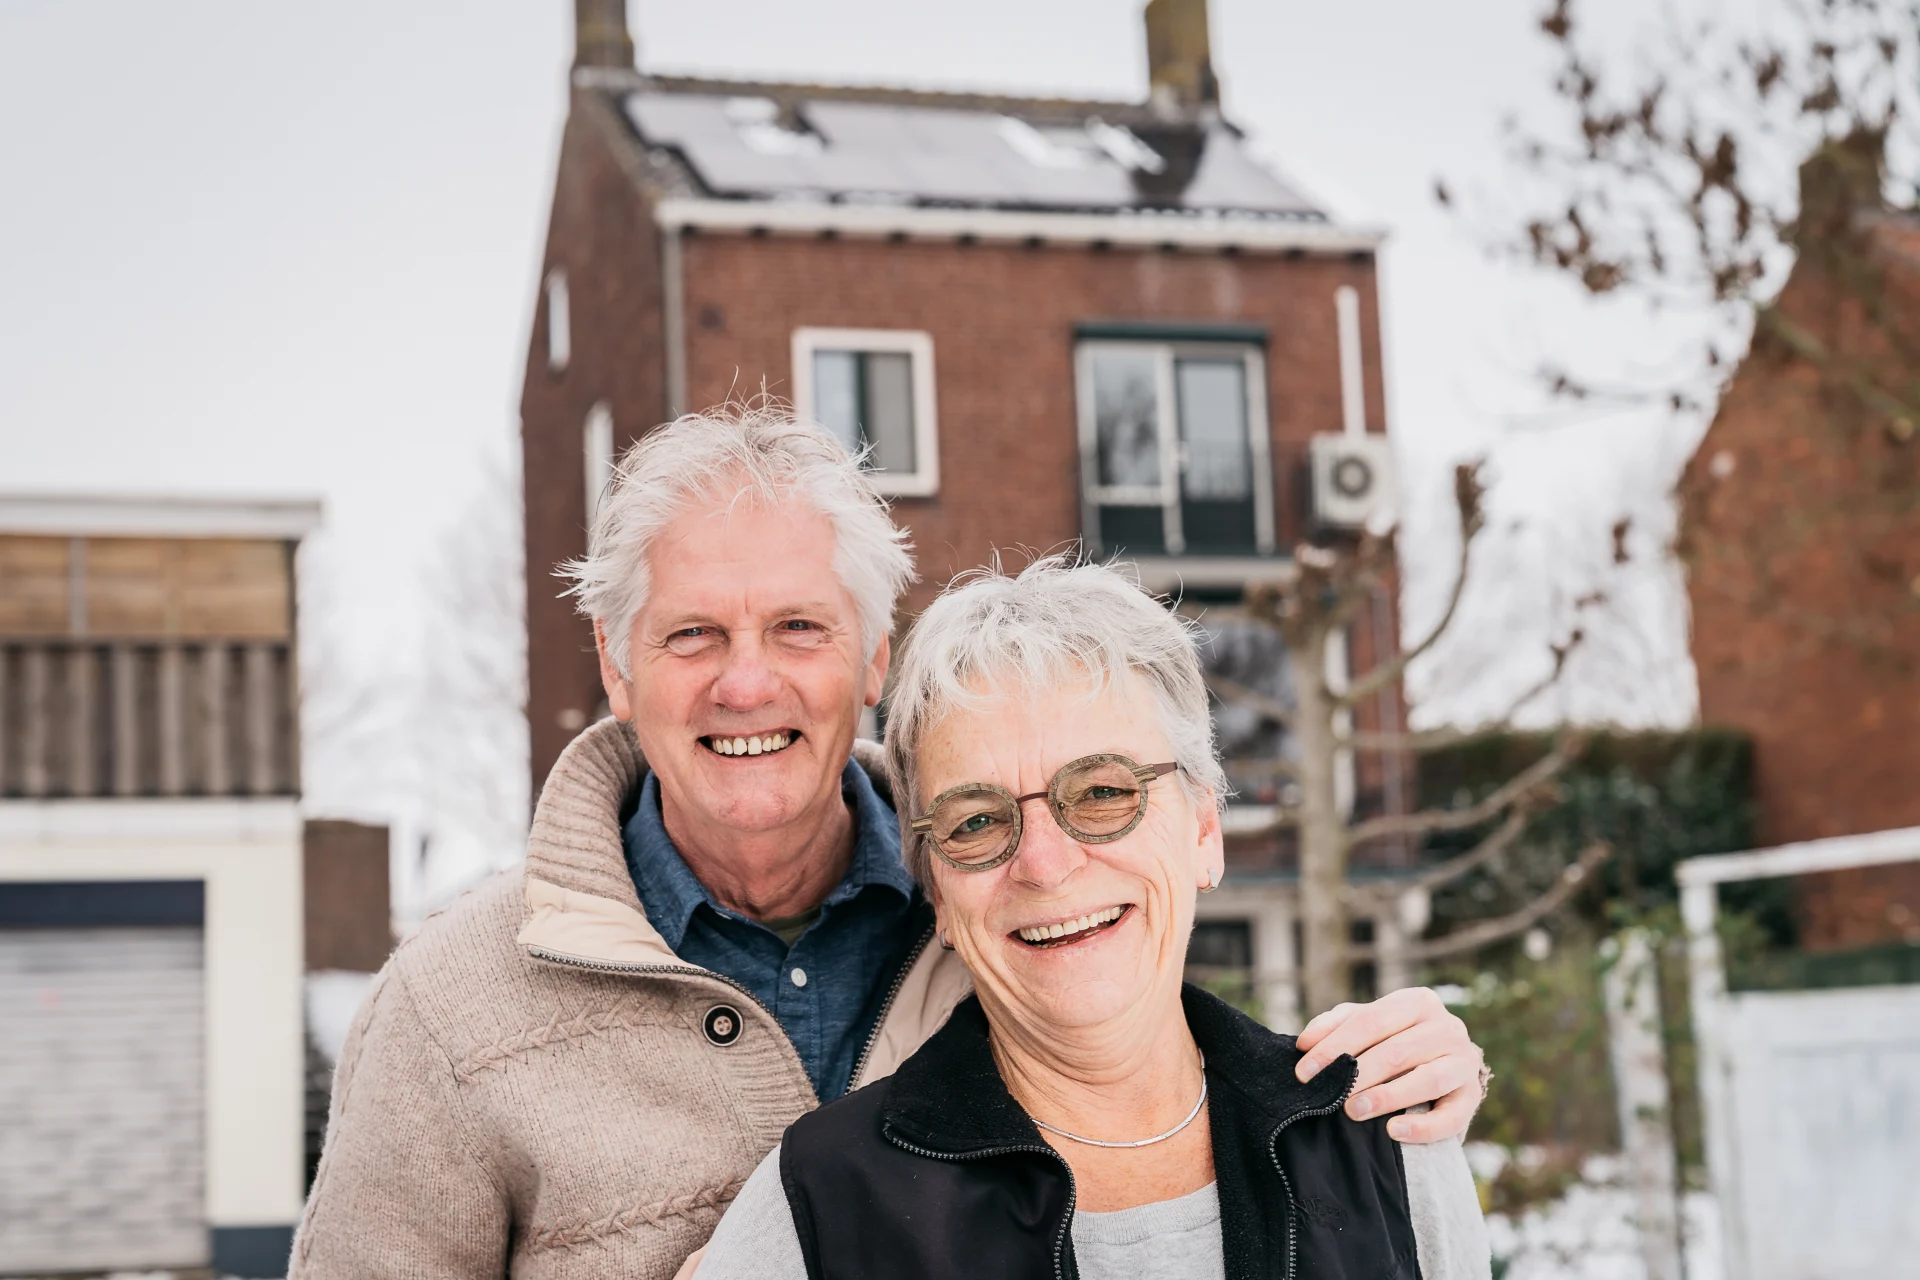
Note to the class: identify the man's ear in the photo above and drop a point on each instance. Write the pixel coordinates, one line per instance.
(877, 672)
(610, 678)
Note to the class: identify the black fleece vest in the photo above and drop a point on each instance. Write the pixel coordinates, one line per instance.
(936, 1171)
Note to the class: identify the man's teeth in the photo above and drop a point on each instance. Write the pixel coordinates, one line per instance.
(759, 745)
(1048, 932)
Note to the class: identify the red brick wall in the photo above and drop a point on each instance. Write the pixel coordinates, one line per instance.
(1802, 539)
(601, 232)
(1003, 322)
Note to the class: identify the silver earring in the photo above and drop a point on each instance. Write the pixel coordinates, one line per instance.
(1210, 885)
(945, 944)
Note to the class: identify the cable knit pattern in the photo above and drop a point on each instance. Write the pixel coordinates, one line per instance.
(710, 1201)
(495, 1112)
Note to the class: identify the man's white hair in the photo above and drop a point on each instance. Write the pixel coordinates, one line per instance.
(757, 451)
(1055, 622)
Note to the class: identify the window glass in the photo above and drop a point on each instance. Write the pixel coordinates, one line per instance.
(1212, 398)
(1126, 419)
(887, 415)
(836, 394)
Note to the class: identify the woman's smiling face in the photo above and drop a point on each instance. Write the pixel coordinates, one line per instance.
(1128, 903)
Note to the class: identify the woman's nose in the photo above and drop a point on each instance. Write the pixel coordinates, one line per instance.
(1047, 855)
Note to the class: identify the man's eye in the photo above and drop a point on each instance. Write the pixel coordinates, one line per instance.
(796, 624)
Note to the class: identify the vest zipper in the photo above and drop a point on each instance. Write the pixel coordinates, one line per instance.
(886, 1006)
(1073, 1190)
(1293, 1207)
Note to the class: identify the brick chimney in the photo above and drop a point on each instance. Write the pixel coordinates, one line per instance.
(1179, 63)
(600, 36)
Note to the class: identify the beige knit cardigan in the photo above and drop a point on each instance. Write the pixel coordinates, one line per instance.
(530, 1089)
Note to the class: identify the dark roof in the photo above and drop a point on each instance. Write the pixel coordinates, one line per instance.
(829, 144)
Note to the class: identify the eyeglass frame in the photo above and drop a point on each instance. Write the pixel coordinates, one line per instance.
(1144, 774)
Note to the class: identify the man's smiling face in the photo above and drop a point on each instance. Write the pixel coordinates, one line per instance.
(747, 672)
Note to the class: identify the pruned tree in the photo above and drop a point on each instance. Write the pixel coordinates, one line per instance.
(1309, 611)
(1734, 185)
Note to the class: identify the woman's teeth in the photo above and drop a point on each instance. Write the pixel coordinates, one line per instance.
(760, 745)
(1049, 932)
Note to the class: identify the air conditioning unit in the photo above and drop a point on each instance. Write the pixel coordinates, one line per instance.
(1353, 482)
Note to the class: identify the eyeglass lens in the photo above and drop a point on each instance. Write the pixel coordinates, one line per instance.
(1093, 799)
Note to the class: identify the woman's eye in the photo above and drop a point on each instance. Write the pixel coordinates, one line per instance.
(1104, 793)
(975, 825)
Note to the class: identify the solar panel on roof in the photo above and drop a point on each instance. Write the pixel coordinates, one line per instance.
(741, 147)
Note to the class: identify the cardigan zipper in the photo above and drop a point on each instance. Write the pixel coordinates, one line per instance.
(1073, 1190)
(886, 1005)
(1293, 1207)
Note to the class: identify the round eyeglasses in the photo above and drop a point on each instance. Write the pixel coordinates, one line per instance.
(976, 825)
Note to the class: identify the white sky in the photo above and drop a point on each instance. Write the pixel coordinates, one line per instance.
(292, 248)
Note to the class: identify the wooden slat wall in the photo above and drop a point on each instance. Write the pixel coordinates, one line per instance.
(146, 588)
(192, 717)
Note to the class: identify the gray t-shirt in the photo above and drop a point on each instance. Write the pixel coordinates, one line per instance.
(1170, 1240)
(1176, 1239)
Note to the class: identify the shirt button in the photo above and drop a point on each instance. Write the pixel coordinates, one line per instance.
(799, 977)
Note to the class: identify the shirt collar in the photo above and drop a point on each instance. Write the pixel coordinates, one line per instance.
(671, 893)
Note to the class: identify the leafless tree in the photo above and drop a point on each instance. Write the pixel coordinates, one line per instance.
(1731, 183)
(1327, 588)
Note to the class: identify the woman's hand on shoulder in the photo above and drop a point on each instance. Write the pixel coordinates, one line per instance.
(1411, 1049)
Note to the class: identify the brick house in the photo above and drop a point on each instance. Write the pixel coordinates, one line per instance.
(1801, 535)
(1055, 321)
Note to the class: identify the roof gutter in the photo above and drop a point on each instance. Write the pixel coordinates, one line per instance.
(1150, 230)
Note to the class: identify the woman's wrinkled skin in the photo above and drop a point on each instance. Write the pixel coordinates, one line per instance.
(1090, 1036)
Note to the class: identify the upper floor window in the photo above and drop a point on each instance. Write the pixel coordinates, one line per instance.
(559, 321)
(874, 389)
(1173, 448)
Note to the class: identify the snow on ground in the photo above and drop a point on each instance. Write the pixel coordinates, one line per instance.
(1588, 1233)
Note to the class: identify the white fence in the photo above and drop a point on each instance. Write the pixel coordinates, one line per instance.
(1812, 1098)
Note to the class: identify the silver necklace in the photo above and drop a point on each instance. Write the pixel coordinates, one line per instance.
(1144, 1142)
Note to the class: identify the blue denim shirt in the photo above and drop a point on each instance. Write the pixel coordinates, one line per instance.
(828, 988)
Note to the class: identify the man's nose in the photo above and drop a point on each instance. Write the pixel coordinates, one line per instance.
(1047, 855)
(747, 681)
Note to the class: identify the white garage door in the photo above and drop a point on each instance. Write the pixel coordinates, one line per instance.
(101, 1087)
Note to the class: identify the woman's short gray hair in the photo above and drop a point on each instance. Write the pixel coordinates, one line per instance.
(737, 450)
(1056, 621)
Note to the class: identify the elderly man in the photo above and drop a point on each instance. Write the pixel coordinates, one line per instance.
(573, 1069)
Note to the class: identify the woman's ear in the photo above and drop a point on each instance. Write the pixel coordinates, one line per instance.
(1210, 860)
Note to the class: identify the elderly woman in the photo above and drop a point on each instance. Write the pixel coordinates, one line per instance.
(1085, 1113)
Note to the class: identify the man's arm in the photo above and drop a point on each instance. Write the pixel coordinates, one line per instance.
(1412, 1049)
(399, 1192)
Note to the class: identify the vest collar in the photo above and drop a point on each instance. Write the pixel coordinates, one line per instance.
(949, 1097)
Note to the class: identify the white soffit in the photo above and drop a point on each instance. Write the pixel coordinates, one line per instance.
(1835, 853)
(1194, 231)
(104, 516)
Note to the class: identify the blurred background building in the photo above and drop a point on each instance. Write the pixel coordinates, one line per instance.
(153, 899)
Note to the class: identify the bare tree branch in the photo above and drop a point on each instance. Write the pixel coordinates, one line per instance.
(1233, 691)
(1517, 788)
(1441, 739)
(1496, 843)
(1487, 932)
(1468, 492)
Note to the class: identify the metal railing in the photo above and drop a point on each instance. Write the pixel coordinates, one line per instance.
(88, 718)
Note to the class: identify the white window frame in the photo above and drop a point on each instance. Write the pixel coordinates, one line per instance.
(1166, 495)
(597, 449)
(559, 321)
(924, 480)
